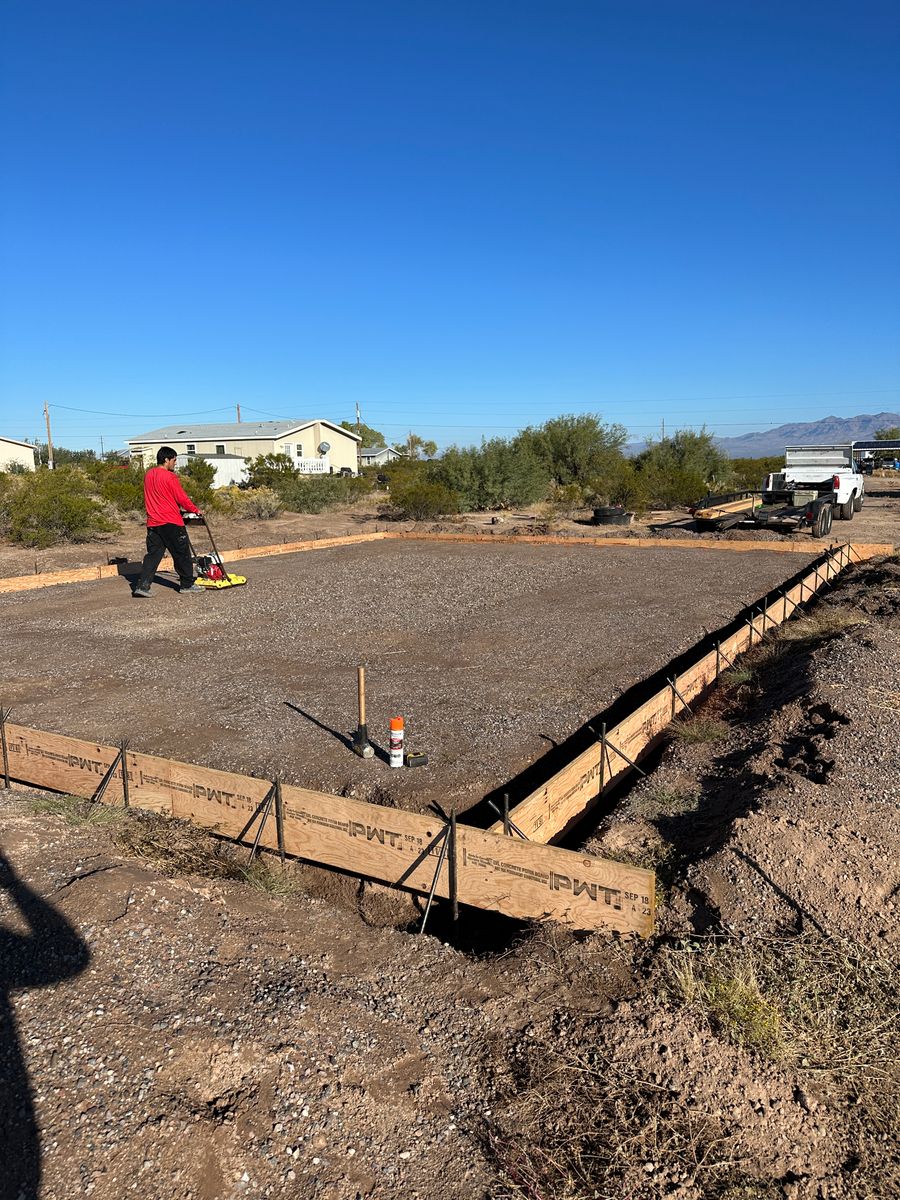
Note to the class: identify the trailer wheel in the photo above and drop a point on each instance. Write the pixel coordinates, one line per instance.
(847, 510)
(822, 523)
(857, 502)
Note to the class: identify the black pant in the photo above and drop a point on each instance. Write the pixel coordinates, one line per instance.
(173, 538)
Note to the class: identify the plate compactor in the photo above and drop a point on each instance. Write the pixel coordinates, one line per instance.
(211, 571)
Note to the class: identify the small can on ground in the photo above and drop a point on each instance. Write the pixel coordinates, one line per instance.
(395, 744)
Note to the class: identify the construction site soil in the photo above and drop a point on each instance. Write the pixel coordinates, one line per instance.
(175, 1029)
(492, 654)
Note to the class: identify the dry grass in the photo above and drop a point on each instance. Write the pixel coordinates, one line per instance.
(268, 877)
(699, 729)
(656, 801)
(821, 624)
(737, 676)
(76, 810)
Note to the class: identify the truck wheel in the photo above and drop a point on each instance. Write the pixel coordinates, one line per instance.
(857, 502)
(847, 510)
(822, 523)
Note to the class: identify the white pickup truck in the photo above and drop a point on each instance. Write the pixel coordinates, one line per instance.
(816, 483)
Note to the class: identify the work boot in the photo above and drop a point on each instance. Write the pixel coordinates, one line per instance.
(193, 590)
(142, 591)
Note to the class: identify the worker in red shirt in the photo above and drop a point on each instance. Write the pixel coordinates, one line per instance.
(165, 500)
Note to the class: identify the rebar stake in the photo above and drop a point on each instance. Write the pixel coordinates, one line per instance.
(4, 717)
(123, 753)
(279, 819)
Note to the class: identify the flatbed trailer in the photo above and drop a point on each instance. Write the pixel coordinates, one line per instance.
(797, 509)
(725, 511)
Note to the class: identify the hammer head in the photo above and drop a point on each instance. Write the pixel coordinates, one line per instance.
(361, 743)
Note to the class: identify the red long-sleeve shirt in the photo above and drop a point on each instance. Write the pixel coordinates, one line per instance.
(164, 498)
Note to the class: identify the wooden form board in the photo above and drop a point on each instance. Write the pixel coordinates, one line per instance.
(559, 803)
(27, 583)
(505, 874)
(636, 543)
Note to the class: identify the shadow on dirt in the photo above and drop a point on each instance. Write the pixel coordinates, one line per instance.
(50, 951)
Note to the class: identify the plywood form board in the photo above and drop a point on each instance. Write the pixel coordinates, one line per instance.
(520, 879)
(552, 808)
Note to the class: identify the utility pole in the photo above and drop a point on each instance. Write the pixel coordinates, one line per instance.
(49, 438)
(359, 443)
(238, 413)
(101, 446)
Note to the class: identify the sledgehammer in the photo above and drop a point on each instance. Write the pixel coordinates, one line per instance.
(360, 742)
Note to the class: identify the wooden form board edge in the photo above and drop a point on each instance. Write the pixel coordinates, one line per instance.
(732, 547)
(26, 583)
(504, 874)
(560, 802)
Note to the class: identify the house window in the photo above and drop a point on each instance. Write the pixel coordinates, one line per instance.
(299, 450)
(192, 447)
(220, 449)
(287, 449)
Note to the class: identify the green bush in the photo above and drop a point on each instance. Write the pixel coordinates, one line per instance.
(197, 480)
(748, 473)
(498, 474)
(573, 448)
(250, 504)
(271, 471)
(620, 483)
(55, 506)
(423, 501)
(315, 493)
(123, 487)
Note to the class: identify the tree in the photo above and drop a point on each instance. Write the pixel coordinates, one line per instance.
(416, 447)
(574, 449)
(371, 438)
(890, 433)
(690, 452)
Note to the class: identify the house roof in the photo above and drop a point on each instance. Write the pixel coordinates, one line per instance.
(15, 441)
(244, 431)
(380, 450)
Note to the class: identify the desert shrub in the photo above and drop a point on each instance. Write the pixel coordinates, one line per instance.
(123, 487)
(498, 474)
(55, 506)
(197, 480)
(563, 500)
(271, 471)
(315, 493)
(669, 487)
(8, 487)
(620, 483)
(683, 468)
(251, 504)
(573, 448)
(749, 473)
(423, 501)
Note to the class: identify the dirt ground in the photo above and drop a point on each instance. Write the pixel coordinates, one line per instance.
(493, 654)
(174, 1030)
(879, 521)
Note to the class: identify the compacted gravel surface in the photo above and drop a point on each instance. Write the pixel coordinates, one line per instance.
(491, 653)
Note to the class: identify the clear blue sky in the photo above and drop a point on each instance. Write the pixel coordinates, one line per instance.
(465, 216)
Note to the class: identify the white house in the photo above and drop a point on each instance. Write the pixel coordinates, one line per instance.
(16, 455)
(315, 447)
(379, 456)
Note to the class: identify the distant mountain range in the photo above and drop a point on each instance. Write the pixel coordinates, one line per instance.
(828, 431)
